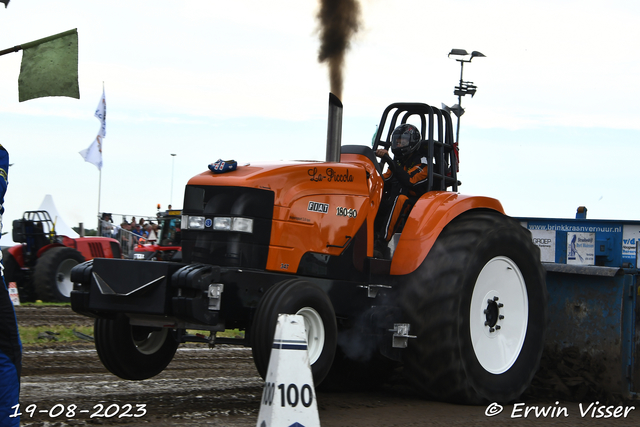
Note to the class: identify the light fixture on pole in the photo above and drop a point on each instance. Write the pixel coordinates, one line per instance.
(464, 88)
(173, 161)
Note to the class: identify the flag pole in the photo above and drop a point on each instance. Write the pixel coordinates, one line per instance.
(23, 46)
(100, 174)
(99, 193)
(93, 154)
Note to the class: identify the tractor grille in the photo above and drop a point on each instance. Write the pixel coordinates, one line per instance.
(228, 248)
(96, 250)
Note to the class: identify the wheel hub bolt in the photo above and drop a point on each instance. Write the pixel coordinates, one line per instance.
(492, 314)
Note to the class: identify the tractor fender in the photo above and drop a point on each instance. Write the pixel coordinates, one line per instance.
(46, 248)
(16, 252)
(428, 217)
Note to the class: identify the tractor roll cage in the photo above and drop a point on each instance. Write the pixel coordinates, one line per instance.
(34, 224)
(441, 152)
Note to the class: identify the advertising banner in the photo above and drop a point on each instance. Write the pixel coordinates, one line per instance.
(581, 248)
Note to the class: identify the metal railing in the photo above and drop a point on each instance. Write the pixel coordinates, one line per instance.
(128, 240)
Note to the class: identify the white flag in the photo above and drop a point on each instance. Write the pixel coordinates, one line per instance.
(101, 114)
(93, 154)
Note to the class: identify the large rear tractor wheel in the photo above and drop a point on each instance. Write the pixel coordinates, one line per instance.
(133, 352)
(13, 273)
(52, 276)
(312, 303)
(478, 307)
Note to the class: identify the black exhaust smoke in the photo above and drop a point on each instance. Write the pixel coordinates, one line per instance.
(334, 129)
(339, 20)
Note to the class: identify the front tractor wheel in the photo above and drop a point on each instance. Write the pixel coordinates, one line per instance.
(133, 352)
(52, 276)
(312, 303)
(478, 306)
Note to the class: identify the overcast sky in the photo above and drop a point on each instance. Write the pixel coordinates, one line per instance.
(553, 125)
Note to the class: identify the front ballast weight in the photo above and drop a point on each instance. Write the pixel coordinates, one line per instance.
(199, 293)
(189, 295)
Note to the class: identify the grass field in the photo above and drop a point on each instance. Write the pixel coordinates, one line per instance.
(64, 334)
(53, 333)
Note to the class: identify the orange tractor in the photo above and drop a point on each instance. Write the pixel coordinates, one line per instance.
(459, 300)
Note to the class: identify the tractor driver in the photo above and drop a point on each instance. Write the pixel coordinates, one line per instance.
(406, 177)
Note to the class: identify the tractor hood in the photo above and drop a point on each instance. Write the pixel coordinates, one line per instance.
(292, 180)
(289, 209)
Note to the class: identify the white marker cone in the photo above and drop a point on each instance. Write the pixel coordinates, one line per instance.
(289, 399)
(13, 293)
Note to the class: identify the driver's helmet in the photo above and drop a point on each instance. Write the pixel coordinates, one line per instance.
(405, 139)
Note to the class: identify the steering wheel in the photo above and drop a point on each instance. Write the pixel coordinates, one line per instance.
(386, 158)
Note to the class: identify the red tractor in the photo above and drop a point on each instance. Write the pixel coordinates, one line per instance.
(165, 246)
(41, 264)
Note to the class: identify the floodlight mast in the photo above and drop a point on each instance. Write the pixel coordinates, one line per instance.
(464, 88)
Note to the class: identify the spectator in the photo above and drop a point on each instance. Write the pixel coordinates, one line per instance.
(137, 230)
(106, 225)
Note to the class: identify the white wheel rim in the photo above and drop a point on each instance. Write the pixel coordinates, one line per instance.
(498, 315)
(152, 342)
(315, 332)
(63, 277)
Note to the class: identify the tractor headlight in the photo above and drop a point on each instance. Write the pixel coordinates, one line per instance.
(192, 222)
(222, 224)
(243, 225)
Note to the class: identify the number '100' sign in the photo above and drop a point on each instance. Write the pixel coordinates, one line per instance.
(289, 394)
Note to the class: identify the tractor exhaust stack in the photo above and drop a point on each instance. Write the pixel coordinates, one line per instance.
(334, 129)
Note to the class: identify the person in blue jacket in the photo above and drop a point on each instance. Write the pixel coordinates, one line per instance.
(10, 345)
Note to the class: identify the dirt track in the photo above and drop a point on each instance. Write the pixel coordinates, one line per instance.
(220, 387)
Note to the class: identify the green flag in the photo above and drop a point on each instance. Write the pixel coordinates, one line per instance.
(50, 67)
